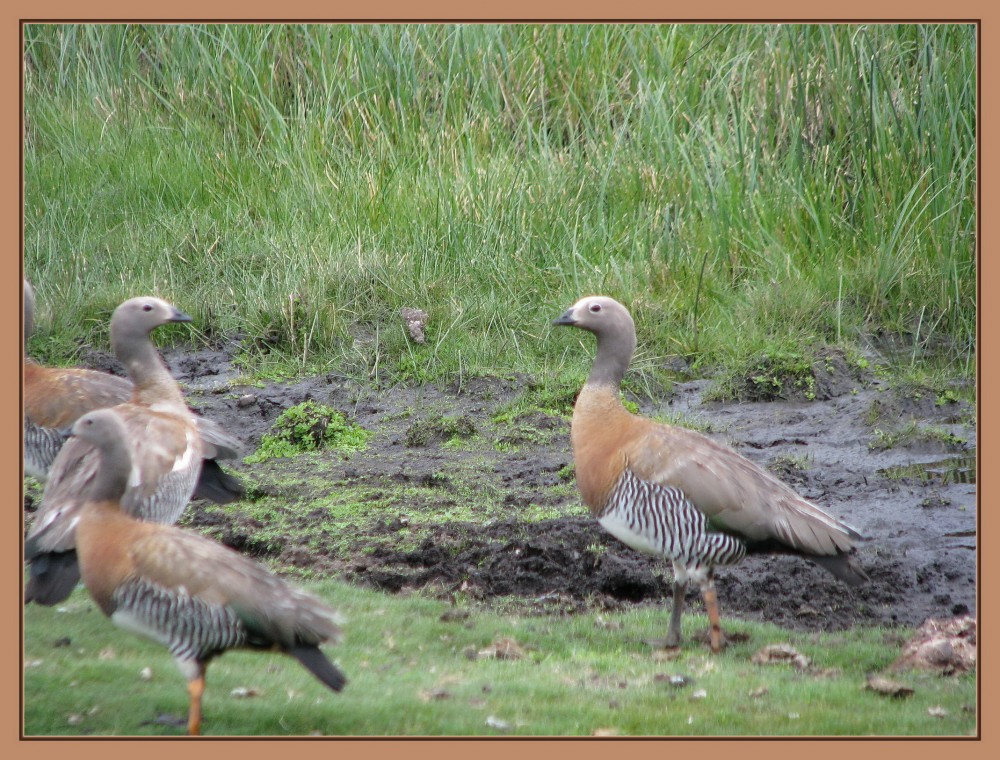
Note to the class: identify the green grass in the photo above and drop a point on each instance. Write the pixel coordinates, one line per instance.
(746, 189)
(411, 673)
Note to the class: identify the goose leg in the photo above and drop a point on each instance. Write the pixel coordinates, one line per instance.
(674, 629)
(715, 637)
(676, 609)
(196, 687)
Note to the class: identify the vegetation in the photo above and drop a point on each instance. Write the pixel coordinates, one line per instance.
(418, 671)
(307, 427)
(747, 189)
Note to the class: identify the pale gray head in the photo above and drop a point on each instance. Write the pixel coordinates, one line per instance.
(138, 317)
(103, 427)
(135, 319)
(615, 331)
(105, 431)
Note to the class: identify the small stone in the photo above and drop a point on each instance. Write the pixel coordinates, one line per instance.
(500, 725)
(415, 320)
(244, 692)
(887, 687)
(604, 732)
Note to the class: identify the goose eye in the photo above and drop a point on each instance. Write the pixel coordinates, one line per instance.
(595, 307)
(147, 307)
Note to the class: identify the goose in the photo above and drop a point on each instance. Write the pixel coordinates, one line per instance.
(669, 491)
(193, 595)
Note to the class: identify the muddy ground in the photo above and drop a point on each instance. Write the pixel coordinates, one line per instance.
(536, 550)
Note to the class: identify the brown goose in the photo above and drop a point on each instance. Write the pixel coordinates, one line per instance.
(55, 397)
(166, 448)
(670, 491)
(192, 595)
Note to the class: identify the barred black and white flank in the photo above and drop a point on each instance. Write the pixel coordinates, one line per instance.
(661, 520)
(41, 445)
(191, 628)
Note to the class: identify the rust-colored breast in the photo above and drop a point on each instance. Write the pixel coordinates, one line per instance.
(103, 539)
(57, 397)
(602, 430)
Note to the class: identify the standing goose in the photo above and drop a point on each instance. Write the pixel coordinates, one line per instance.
(166, 449)
(55, 397)
(182, 590)
(670, 491)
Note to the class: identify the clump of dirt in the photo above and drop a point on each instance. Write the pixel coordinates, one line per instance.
(946, 647)
(423, 432)
(495, 515)
(774, 376)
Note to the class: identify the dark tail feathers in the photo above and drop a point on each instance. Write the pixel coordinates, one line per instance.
(316, 663)
(843, 567)
(216, 484)
(52, 578)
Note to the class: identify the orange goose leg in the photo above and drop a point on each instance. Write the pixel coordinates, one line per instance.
(196, 687)
(712, 608)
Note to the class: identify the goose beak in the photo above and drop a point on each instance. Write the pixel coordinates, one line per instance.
(567, 318)
(180, 316)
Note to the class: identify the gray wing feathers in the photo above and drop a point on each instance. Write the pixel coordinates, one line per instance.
(217, 443)
(265, 604)
(736, 494)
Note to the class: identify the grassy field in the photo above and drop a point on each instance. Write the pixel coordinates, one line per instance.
(755, 193)
(413, 673)
(748, 190)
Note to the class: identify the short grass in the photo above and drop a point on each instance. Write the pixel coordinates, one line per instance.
(745, 188)
(411, 674)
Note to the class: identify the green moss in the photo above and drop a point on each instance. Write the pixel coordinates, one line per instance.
(767, 376)
(307, 427)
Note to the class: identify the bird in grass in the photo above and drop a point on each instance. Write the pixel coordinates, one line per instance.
(167, 447)
(193, 595)
(55, 397)
(673, 492)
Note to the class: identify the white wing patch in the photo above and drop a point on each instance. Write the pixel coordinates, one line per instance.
(52, 518)
(185, 460)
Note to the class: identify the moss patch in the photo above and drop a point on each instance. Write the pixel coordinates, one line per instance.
(307, 427)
